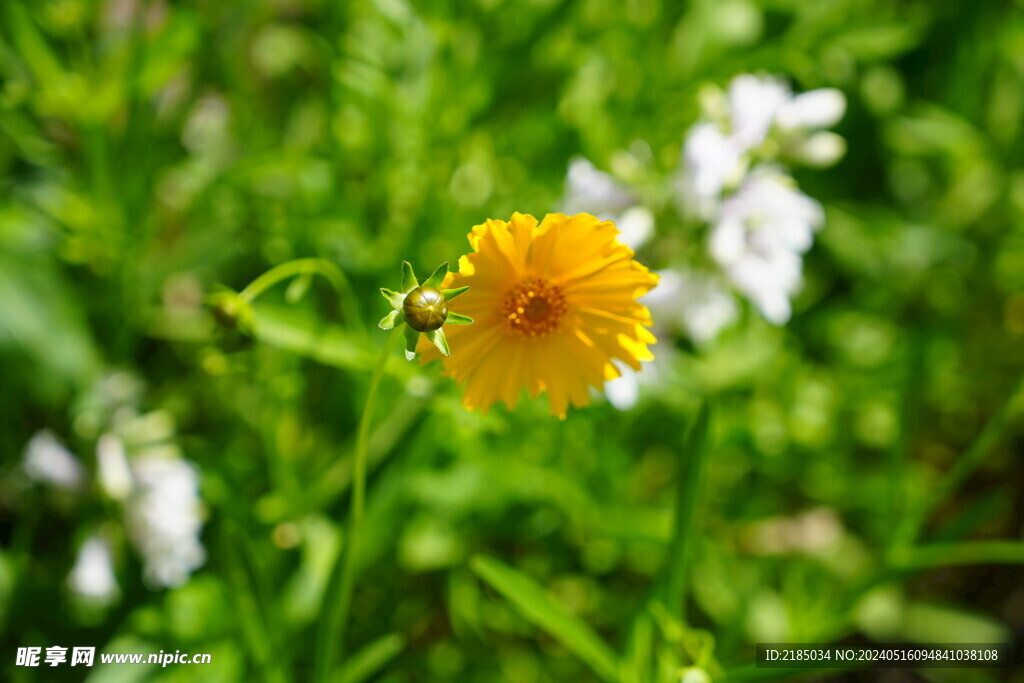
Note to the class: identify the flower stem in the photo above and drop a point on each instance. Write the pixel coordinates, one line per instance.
(307, 266)
(338, 598)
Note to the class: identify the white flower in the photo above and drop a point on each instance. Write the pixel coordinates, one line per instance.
(592, 191)
(713, 161)
(799, 121)
(93, 574)
(821, 149)
(114, 473)
(760, 234)
(822, 108)
(164, 518)
(754, 102)
(768, 281)
(636, 226)
(697, 302)
(588, 190)
(46, 460)
(718, 151)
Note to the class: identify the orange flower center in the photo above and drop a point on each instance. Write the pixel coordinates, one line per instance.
(534, 308)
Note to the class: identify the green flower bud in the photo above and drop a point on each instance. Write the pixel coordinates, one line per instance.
(425, 309)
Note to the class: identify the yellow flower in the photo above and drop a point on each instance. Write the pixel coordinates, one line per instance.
(554, 304)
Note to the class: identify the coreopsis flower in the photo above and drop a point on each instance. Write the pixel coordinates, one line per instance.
(555, 304)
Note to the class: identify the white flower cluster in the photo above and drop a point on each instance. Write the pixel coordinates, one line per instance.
(761, 224)
(164, 518)
(160, 492)
(140, 467)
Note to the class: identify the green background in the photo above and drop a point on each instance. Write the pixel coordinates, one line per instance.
(153, 151)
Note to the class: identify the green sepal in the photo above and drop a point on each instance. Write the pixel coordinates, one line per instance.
(437, 277)
(450, 294)
(409, 281)
(391, 320)
(396, 299)
(412, 337)
(440, 341)
(458, 319)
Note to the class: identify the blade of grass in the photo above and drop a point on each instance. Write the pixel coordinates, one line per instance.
(912, 383)
(364, 664)
(250, 603)
(958, 554)
(989, 437)
(688, 491)
(533, 602)
(637, 661)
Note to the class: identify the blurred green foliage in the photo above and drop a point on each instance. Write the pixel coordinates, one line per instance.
(863, 467)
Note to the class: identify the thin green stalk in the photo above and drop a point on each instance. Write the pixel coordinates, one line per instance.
(307, 266)
(965, 465)
(687, 496)
(338, 602)
(912, 382)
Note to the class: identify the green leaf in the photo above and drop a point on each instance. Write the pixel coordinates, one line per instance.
(450, 294)
(458, 319)
(391, 320)
(412, 337)
(691, 469)
(437, 277)
(440, 341)
(366, 663)
(42, 317)
(304, 333)
(880, 41)
(396, 299)
(536, 605)
(925, 622)
(409, 281)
